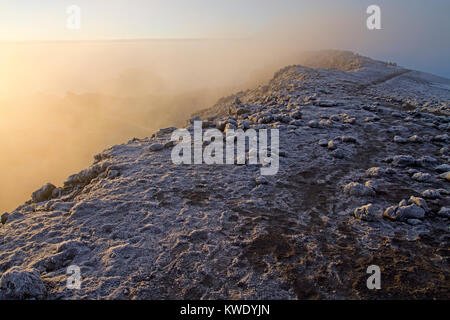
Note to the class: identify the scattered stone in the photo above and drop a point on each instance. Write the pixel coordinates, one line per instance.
(230, 126)
(422, 177)
(391, 213)
(357, 189)
(313, 124)
(431, 194)
(366, 213)
(323, 142)
(403, 161)
(111, 174)
(375, 172)
(415, 139)
(166, 131)
(403, 203)
(414, 222)
(445, 176)
(43, 194)
(4, 218)
(372, 184)
(427, 161)
(261, 180)
(338, 154)
(402, 213)
(19, 283)
(87, 175)
(348, 139)
(398, 139)
(296, 115)
(412, 211)
(444, 212)
(198, 235)
(156, 147)
(420, 202)
(350, 120)
(443, 168)
(56, 193)
(332, 145)
(440, 138)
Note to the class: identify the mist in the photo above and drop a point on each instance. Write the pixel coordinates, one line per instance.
(62, 102)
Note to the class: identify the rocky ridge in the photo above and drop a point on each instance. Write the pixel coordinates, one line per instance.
(364, 179)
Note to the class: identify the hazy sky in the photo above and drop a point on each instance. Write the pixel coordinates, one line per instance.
(415, 33)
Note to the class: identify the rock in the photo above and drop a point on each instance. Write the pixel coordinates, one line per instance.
(445, 176)
(245, 124)
(192, 120)
(221, 125)
(296, 115)
(422, 177)
(350, 120)
(403, 161)
(20, 283)
(391, 213)
(403, 213)
(313, 124)
(440, 138)
(398, 139)
(335, 117)
(415, 139)
(366, 213)
(444, 212)
(323, 142)
(431, 194)
(156, 147)
(442, 168)
(56, 193)
(4, 218)
(332, 145)
(198, 235)
(230, 126)
(261, 180)
(86, 176)
(420, 202)
(169, 144)
(111, 174)
(326, 104)
(412, 211)
(339, 154)
(348, 139)
(357, 189)
(372, 184)
(414, 222)
(166, 131)
(43, 194)
(427, 161)
(374, 172)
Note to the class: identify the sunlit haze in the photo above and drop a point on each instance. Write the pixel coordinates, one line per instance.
(135, 66)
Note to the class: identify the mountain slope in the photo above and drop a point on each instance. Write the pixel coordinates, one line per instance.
(141, 227)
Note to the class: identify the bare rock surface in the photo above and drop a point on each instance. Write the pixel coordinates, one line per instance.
(141, 227)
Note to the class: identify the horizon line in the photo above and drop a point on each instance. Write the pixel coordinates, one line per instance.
(118, 40)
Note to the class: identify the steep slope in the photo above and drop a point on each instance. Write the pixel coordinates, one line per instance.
(141, 227)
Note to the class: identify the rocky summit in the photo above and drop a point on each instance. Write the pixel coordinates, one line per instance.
(363, 180)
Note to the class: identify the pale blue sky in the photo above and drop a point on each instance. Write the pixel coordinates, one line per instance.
(415, 32)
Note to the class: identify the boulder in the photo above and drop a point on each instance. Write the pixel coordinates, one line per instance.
(43, 194)
(358, 189)
(366, 213)
(20, 283)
